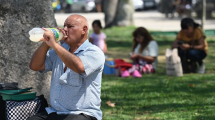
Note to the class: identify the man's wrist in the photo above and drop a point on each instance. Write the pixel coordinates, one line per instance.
(45, 45)
(54, 45)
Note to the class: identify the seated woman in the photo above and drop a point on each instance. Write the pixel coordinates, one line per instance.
(191, 45)
(144, 53)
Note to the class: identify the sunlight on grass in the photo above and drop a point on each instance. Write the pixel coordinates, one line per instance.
(157, 96)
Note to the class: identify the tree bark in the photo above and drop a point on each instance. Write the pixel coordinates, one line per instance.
(118, 12)
(124, 14)
(109, 7)
(17, 17)
(203, 13)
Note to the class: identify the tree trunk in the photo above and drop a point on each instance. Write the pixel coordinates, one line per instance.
(17, 17)
(109, 8)
(118, 12)
(203, 13)
(124, 14)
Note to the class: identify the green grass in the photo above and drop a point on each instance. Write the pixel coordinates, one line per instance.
(157, 96)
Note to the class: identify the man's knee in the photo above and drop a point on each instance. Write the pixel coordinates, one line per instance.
(35, 117)
(39, 116)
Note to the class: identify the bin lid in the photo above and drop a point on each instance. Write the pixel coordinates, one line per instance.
(19, 97)
(13, 92)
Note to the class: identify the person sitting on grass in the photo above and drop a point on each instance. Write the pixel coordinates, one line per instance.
(191, 45)
(144, 54)
(98, 38)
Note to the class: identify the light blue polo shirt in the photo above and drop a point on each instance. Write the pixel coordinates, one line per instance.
(73, 93)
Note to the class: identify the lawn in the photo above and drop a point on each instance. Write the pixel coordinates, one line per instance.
(157, 96)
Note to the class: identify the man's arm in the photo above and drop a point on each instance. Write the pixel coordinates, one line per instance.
(38, 59)
(69, 59)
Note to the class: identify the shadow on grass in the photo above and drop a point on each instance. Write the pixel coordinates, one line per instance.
(201, 117)
(156, 94)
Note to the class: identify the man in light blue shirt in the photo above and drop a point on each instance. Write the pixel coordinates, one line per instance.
(76, 67)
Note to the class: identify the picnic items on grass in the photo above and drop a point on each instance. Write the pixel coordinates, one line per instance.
(121, 66)
(2, 109)
(109, 66)
(18, 95)
(19, 104)
(9, 86)
(22, 110)
(173, 63)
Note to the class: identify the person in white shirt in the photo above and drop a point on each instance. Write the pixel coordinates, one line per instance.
(144, 54)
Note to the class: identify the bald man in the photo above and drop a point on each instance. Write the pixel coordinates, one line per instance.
(76, 67)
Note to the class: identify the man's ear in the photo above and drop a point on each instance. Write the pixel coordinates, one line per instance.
(85, 30)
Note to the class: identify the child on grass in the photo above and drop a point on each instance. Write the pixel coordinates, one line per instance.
(98, 38)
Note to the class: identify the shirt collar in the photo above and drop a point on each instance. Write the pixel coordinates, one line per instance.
(82, 47)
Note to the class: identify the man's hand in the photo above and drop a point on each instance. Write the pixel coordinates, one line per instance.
(185, 46)
(64, 33)
(134, 56)
(48, 37)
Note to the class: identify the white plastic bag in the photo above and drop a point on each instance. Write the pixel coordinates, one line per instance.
(173, 63)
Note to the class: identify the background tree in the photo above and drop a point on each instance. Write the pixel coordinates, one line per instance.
(17, 17)
(203, 13)
(118, 12)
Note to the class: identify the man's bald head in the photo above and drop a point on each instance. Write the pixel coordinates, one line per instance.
(76, 29)
(81, 20)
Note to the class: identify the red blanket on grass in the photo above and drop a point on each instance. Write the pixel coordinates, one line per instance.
(123, 65)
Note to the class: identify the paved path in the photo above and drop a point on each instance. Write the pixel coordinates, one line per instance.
(152, 20)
